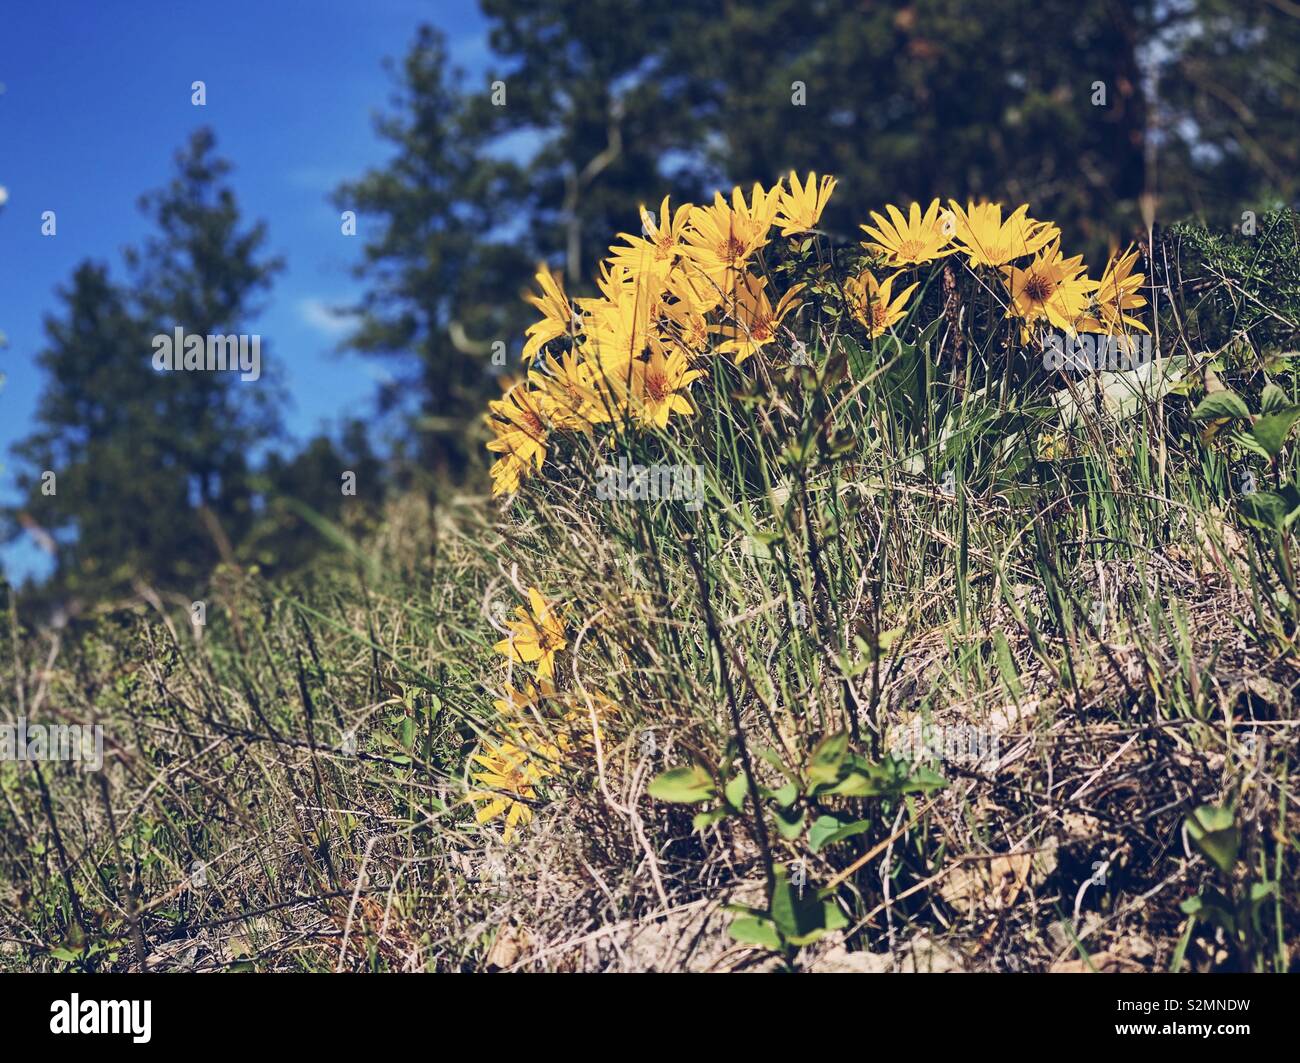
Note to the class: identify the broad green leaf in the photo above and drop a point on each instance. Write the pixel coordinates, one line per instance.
(1220, 404)
(890, 776)
(824, 764)
(1272, 509)
(749, 930)
(1213, 907)
(923, 780)
(860, 359)
(785, 796)
(687, 785)
(832, 919)
(1247, 441)
(1213, 829)
(796, 911)
(1260, 892)
(1273, 399)
(856, 783)
(736, 792)
(884, 642)
(828, 830)
(1271, 430)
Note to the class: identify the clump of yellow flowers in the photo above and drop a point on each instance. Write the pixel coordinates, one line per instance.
(688, 288)
(536, 727)
(693, 287)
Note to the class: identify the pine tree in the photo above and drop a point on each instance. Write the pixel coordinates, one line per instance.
(442, 261)
(132, 473)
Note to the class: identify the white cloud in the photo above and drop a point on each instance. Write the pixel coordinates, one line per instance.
(318, 315)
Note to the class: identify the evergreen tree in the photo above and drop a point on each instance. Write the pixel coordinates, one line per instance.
(134, 473)
(442, 260)
(203, 272)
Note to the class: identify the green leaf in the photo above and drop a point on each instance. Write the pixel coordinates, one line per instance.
(750, 930)
(1273, 399)
(828, 830)
(1275, 510)
(1271, 430)
(1213, 829)
(1247, 441)
(924, 780)
(1220, 404)
(823, 828)
(859, 358)
(1260, 892)
(786, 795)
(788, 824)
(1213, 907)
(856, 783)
(824, 764)
(797, 912)
(883, 642)
(890, 777)
(736, 791)
(832, 919)
(684, 786)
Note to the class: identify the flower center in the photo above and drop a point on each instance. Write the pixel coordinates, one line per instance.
(533, 424)
(656, 386)
(1039, 289)
(733, 250)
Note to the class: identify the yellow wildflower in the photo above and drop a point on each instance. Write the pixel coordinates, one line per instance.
(570, 393)
(655, 388)
(519, 425)
(987, 240)
(912, 240)
(753, 323)
(557, 313)
(1050, 287)
(721, 238)
(801, 206)
(1117, 292)
(651, 256)
(873, 304)
(510, 775)
(537, 636)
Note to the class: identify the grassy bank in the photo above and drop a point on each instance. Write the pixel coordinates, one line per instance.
(937, 657)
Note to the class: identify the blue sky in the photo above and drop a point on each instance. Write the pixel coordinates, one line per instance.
(97, 100)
